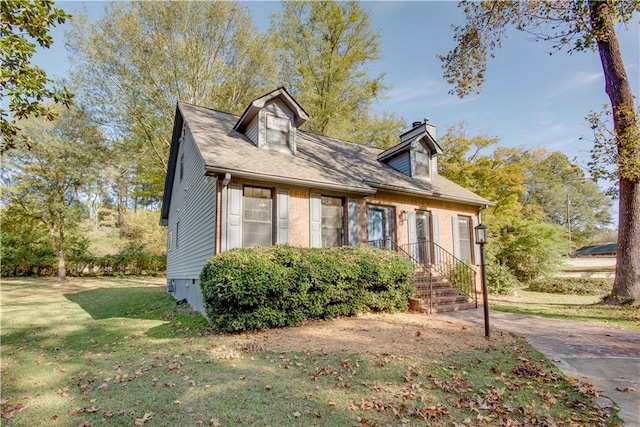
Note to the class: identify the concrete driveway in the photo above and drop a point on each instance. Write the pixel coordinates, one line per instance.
(607, 357)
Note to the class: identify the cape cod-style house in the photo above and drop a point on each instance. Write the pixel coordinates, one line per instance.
(258, 180)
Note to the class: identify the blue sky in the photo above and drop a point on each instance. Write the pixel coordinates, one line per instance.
(530, 98)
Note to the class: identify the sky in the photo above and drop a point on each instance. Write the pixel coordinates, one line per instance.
(530, 98)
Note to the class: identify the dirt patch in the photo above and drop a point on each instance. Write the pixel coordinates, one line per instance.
(373, 334)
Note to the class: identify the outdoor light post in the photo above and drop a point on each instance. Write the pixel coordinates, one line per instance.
(481, 239)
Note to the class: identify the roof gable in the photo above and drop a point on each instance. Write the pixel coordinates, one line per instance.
(300, 116)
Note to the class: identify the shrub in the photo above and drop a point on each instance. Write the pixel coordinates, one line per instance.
(265, 287)
(572, 285)
(500, 280)
(530, 249)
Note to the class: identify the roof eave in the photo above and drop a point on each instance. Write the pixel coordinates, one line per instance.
(429, 194)
(364, 190)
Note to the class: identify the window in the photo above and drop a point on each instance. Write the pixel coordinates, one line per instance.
(170, 240)
(277, 131)
(464, 237)
(177, 235)
(181, 166)
(422, 163)
(257, 215)
(332, 221)
(381, 226)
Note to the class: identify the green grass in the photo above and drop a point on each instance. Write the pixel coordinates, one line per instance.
(118, 352)
(582, 308)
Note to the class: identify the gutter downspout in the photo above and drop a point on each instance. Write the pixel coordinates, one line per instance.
(224, 212)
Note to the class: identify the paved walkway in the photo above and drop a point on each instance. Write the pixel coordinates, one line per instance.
(607, 357)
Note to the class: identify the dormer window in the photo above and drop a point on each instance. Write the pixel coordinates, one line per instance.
(422, 160)
(270, 122)
(277, 131)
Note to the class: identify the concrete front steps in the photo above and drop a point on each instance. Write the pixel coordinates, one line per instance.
(444, 297)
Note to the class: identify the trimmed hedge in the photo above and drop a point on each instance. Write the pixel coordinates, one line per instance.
(573, 286)
(267, 287)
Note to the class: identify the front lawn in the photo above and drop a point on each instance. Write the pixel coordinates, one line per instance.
(93, 352)
(581, 308)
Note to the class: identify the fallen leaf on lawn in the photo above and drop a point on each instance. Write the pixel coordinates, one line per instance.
(76, 411)
(268, 387)
(125, 412)
(19, 407)
(4, 400)
(214, 422)
(140, 421)
(625, 389)
(108, 414)
(86, 424)
(92, 409)
(297, 414)
(54, 416)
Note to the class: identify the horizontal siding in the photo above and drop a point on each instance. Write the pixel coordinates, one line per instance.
(401, 163)
(193, 205)
(252, 130)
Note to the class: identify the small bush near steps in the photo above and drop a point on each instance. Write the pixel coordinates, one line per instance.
(257, 288)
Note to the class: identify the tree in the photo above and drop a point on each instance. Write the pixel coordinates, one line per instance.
(566, 197)
(44, 183)
(499, 176)
(24, 86)
(323, 50)
(577, 26)
(134, 64)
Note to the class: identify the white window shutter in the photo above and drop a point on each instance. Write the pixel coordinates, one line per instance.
(476, 248)
(413, 234)
(234, 225)
(436, 236)
(315, 209)
(283, 217)
(456, 236)
(353, 222)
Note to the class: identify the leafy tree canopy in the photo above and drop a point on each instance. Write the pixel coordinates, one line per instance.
(25, 87)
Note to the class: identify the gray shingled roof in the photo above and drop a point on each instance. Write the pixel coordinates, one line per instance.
(320, 162)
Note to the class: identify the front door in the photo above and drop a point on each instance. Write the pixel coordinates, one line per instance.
(423, 236)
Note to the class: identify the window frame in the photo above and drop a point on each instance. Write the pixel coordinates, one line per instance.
(390, 230)
(270, 215)
(275, 123)
(468, 229)
(323, 227)
(421, 151)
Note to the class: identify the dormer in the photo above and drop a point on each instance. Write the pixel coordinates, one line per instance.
(270, 122)
(416, 154)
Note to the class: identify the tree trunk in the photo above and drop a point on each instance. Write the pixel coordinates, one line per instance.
(62, 271)
(626, 287)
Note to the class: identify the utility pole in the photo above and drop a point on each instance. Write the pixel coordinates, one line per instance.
(569, 223)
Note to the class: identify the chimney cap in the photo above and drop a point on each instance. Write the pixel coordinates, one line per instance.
(416, 124)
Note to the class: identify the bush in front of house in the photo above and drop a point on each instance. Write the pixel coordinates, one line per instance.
(572, 285)
(257, 288)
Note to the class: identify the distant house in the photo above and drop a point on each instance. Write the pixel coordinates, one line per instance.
(605, 250)
(258, 180)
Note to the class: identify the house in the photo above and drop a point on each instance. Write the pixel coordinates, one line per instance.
(258, 180)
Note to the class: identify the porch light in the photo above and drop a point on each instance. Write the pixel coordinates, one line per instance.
(403, 215)
(481, 234)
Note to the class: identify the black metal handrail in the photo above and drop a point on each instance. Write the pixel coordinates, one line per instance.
(433, 257)
(460, 274)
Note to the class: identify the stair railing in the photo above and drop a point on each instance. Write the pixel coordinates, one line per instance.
(460, 274)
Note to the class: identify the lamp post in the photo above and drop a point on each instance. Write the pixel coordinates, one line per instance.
(481, 239)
